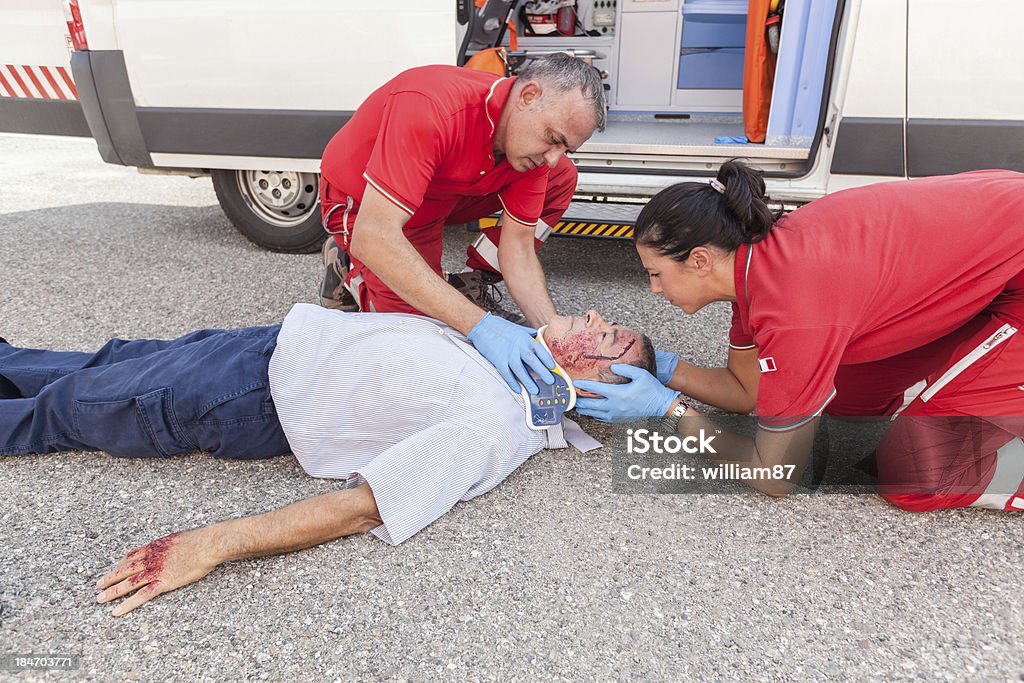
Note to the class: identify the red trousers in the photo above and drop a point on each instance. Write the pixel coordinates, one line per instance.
(340, 211)
(959, 443)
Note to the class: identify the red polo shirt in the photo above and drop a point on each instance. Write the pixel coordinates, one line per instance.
(425, 139)
(870, 273)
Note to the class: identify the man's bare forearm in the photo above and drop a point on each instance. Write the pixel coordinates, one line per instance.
(302, 524)
(524, 276)
(379, 242)
(397, 263)
(183, 557)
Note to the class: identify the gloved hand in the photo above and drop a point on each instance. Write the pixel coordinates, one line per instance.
(644, 396)
(511, 348)
(666, 363)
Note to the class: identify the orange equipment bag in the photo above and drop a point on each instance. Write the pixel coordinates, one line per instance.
(492, 60)
(758, 73)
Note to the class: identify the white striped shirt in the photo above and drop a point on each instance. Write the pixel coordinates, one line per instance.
(402, 402)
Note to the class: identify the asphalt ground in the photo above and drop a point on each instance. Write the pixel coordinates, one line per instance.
(550, 576)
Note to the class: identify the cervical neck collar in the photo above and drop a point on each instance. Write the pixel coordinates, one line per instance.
(552, 400)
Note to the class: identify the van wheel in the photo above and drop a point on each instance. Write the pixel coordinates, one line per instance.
(279, 210)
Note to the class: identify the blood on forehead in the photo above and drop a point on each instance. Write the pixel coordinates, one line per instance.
(628, 347)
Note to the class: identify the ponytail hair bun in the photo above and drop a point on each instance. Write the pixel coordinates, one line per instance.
(744, 195)
(725, 213)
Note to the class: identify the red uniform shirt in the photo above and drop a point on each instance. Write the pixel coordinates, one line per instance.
(870, 273)
(425, 139)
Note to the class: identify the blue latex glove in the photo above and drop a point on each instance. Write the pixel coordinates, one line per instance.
(666, 363)
(511, 348)
(644, 396)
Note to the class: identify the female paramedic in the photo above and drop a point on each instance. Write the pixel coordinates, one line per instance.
(839, 308)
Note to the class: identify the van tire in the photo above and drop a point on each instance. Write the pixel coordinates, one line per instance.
(287, 222)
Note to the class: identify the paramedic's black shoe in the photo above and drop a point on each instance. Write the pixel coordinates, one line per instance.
(4, 341)
(333, 293)
(480, 287)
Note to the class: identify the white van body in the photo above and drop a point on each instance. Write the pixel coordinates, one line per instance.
(251, 90)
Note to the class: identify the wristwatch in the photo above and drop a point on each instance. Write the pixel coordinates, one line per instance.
(671, 421)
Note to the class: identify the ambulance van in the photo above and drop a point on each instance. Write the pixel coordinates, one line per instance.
(250, 91)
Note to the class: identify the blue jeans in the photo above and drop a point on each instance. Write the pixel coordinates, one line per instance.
(206, 391)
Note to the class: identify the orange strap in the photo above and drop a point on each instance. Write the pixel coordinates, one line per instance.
(513, 37)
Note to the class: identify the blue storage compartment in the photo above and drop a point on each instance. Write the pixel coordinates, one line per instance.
(711, 68)
(714, 30)
(712, 45)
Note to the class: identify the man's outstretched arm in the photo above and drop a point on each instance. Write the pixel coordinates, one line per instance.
(187, 556)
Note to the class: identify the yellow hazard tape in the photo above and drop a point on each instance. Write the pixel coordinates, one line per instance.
(579, 229)
(584, 229)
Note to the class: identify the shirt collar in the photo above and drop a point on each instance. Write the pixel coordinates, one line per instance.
(741, 270)
(495, 101)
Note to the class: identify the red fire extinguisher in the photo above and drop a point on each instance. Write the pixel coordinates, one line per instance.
(566, 21)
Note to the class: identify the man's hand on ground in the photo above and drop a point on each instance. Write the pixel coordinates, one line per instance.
(187, 556)
(511, 348)
(158, 567)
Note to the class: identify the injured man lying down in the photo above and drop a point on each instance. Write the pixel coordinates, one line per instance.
(400, 406)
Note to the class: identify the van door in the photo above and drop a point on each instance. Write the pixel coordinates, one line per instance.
(329, 54)
(869, 136)
(195, 65)
(249, 90)
(965, 88)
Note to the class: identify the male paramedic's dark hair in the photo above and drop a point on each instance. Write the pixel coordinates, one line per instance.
(565, 73)
(645, 361)
(689, 215)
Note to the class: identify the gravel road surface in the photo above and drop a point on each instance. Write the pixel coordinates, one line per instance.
(551, 576)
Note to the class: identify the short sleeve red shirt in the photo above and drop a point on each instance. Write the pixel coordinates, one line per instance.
(870, 273)
(425, 140)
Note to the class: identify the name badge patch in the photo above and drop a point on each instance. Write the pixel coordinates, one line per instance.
(767, 364)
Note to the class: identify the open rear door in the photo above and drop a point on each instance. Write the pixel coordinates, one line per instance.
(694, 122)
(674, 82)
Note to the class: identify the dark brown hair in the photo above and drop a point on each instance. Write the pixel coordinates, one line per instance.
(689, 215)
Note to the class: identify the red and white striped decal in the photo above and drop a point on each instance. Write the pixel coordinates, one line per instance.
(36, 82)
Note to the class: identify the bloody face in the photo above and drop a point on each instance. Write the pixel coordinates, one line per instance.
(586, 345)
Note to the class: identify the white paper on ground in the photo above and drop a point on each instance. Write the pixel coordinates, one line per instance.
(575, 435)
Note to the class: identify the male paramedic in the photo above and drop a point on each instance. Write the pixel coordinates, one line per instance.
(402, 407)
(442, 145)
